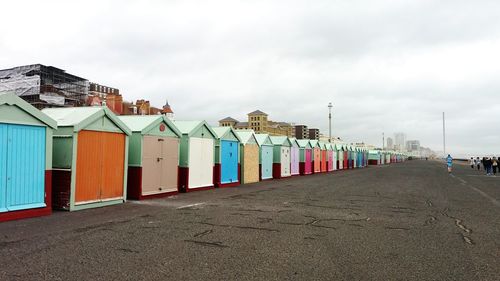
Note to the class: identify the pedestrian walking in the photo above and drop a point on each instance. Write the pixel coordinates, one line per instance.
(487, 165)
(449, 162)
(478, 163)
(472, 162)
(494, 165)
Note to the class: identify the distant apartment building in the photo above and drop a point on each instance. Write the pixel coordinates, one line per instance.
(314, 134)
(301, 132)
(399, 141)
(413, 146)
(390, 143)
(259, 122)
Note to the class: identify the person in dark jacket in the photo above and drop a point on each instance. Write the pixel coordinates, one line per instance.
(487, 165)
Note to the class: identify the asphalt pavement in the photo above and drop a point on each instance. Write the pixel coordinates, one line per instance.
(405, 221)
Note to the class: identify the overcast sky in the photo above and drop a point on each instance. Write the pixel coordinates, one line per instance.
(387, 66)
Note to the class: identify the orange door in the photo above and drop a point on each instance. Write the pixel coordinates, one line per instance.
(113, 159)
(88, 167)
(100, 166)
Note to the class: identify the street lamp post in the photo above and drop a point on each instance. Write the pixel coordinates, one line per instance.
(330, 121)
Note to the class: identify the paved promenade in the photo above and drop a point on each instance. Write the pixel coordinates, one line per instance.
(407, 221)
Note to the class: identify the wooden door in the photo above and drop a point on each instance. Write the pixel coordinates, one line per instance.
(151, 164)
(88, 167)
(100, 166)
(201, 162)
(169, 164)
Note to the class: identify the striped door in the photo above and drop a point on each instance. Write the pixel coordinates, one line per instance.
(22, 161)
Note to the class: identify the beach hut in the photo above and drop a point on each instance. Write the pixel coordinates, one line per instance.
(281, 156)
(249, 157)
(25, 159)
(294, 157)
(345, 149)
(374, 157)
(316, 156)
(340, 156)
(153, 156)
(196, 157)
(305, 157)
(90, 158)
(324, 157)
(227, 157)
(266, 156)
(331, 163)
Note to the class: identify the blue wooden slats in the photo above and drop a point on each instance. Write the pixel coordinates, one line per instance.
(229, 161)
(3, 166)
(267, 162)
(25, 167)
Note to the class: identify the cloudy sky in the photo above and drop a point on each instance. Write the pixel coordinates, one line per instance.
(387, 66)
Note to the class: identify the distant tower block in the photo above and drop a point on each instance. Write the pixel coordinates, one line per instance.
(167, 111)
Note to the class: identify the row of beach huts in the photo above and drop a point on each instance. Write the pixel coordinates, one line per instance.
(86, 157)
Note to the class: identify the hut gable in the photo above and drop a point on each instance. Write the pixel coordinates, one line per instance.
(281, 141)
(16, 110)
(197, 129)
(87, 118)
(154, 125)
(226, 133)
(304, 144)
(263, 139)
(247, 137)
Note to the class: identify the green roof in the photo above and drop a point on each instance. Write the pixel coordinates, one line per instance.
(224, 132)
(246, 136)
(314, 143)
(280, 140)
(304, 143)
(12, 99)
(143, 123)
(190, 127)
(263, 139)
(81, 117)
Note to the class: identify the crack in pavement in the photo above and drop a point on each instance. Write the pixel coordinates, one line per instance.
(207, 244)
(203, 233)
(240, 227)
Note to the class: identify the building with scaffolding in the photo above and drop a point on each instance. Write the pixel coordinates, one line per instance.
(44, 86)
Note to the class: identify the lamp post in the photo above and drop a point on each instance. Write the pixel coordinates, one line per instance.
(330, 121)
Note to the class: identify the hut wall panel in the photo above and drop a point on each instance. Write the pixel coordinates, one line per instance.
(294, 160)
(201, 162)
(308, 163)
(61, 189)
(3, 165)
(251, 163)
(88, 166)
(285, 161)
(229, 162)
(170, 164)
(25, 187)
(267, 162)
(152, 170)
(113, 165)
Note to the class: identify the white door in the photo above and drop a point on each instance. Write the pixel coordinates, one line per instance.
(201, 162)
(285, 161)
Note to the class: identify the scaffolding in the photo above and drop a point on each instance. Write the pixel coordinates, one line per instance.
(44, 86)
